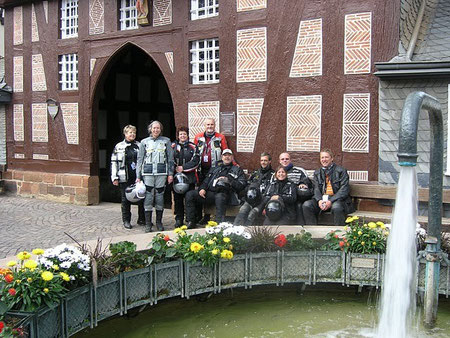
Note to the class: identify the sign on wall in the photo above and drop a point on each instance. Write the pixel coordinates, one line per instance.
(228, 123)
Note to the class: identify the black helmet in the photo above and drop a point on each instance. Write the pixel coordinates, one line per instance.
(223, 185)
(303, 194)
(274, 210)
(180, 183)
(253, 196)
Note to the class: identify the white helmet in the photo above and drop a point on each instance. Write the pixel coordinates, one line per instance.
(135, 192)
(180, 183)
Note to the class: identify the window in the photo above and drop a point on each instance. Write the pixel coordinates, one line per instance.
(68, 72)
(69, 19)
(205, 61)
(201, 9)
(128, 14)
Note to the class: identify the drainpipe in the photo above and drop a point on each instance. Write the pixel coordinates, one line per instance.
(415, 33)
(407, 156)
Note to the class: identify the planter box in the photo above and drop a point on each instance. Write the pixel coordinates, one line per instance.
(444, 277)
(297, 266)
(363, 269)
(168, 280)
(329, 266)
(26, 321)
(233, 273)
(79, 310)
(264, 268)
(108, 298)
(199, 278)
(137, 288)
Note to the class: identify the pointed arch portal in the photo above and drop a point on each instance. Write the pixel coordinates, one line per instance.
(131, 90)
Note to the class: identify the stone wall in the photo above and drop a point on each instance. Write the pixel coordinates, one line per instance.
(65, 188)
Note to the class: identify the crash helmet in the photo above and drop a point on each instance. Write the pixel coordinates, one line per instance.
(223, 185)
(180, 183)
(253, 196)
(135, 192)
(274, 210)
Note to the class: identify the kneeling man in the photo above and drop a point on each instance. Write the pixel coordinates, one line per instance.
(221, 186)
(331, 191)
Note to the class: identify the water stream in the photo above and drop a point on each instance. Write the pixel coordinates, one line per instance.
(399, 284)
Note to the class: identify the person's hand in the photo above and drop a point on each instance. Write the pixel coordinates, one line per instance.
(116, 182)
(137, 180)
(275, 197)
(179, 169)
(202, 193)
(324, 205)
(169, 179)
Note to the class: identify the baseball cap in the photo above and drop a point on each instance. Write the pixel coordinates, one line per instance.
(227, 151)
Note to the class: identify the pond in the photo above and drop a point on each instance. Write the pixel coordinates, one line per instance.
(318, 311)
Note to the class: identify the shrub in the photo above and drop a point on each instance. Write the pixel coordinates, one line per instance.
(124, 257)
(300, 242)
(263, 239)
(161, 250)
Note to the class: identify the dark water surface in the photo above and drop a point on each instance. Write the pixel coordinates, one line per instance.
(263, 312)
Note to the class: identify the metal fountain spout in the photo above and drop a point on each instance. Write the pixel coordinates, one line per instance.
(407, 156)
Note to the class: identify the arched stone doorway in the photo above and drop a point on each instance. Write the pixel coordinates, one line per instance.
(131, 90)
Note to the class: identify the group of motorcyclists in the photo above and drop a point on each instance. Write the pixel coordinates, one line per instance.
(204, 172)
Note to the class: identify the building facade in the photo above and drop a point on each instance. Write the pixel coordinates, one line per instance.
(276, 75)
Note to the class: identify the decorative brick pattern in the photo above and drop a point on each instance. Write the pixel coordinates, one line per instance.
(169, 57)
(92, 66)
(355, 131)
(70, 117)
(250, 5)
(45, 4)
(248, 117)
(198, 112)
(18, 25)
(39, 119)
(357, 43)
(38, 73)
(162, 12)
(303, 122)
(19, 156)
(18, 123)
(96, 17)
(358, 175)
(307, 59)
(251, 55)
(18, 74)
(34, 25)
(40, 157)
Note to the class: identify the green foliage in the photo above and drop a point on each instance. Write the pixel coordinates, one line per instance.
(263, 239)
(161, 250)
(124, 257)
(300, 242)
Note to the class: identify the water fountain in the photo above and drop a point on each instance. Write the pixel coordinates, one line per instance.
(398, 294)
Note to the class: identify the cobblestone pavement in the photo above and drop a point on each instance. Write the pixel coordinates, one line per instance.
(28, 223)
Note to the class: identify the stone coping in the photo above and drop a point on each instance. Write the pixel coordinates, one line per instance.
(142, 241)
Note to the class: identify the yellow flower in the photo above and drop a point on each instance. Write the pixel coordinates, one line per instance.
(30, 264)
(29, 279)
(349, 220)
(177, 230)
(365, 225)
(23, 255)
(12, 263)
(182, 233)
(212, 223)
(345, 228)
(184, 227)
(215, 238)
(359, 233)
(38, 252)
(64, 276)
(372, 225)
(382, 226)
(226, 239)
(362, 243)
(18, 281)
(196, 247)
(379, 223)
(214, 252)
(386, 233)
(230, 247)
(355, 218)
(210, 242)
(374, 243)
(47, 276)
(46, 290)
(55, 267)
(227, 254)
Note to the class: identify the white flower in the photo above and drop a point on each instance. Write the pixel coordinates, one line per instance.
(210, 230)
(65, 265)
(246, 235)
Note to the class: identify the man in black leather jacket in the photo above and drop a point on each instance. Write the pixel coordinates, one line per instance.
(221, 187)
(331, 191)
(259, 179)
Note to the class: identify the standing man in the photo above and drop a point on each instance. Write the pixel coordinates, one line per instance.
(220, 187)
(155, 168)
(210, 144)
(258, 182)
(331, 191)
(123, 173)
(304, 185)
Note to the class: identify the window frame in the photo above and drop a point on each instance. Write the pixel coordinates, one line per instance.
(125, 9)
(68, 71)
(69, 23)
(206, 8)
(200, 68)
